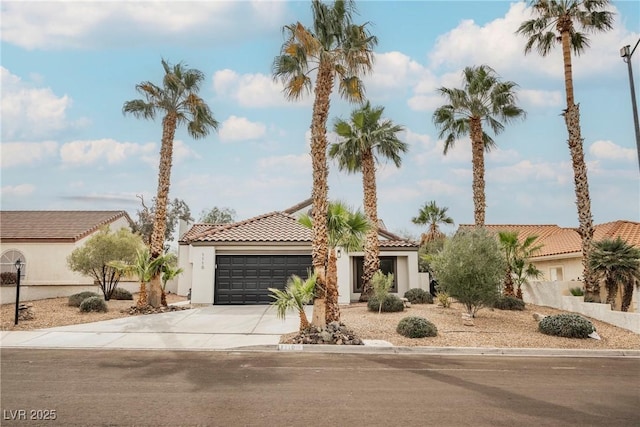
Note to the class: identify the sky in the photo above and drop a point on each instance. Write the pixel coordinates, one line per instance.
(68, 67)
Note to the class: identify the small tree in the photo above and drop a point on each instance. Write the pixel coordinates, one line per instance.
(470, 269)
(218, 215)
(94, 257)
(381, 284)
(295, 296)
(177, 209)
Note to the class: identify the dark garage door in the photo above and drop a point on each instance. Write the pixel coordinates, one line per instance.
(245, 279)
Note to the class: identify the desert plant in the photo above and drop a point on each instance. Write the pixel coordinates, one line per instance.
(76, 299)
(566, 325)
(121, 294)
(509, 303)
(577, 291)
(390, 304)
(381, 284)
(443, 299)
(416, 327)
(8, 278)
(418, 296)
(93, 304)
(295, 296)
(470, 268)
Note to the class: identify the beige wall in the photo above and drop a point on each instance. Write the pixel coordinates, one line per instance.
(571, 268)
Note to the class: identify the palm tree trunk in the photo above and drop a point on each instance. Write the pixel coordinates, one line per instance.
(142, 295)
(304, 322)
(581, 183)
(508, 284)
(332, 309)
(372, 244)
(162, 198)
(612, 291)
(319, 243)
(477, 161)
(627, 294)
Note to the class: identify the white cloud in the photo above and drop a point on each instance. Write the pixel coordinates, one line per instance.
(541, 98)
(26, 153)
(434, 187)
(252, 90)
(79, 153)
(607, 150)
(526, 171)
(63, 25)
(17, 190)
(30, 112)
(287, 164)
(241, 129)
(182, 151)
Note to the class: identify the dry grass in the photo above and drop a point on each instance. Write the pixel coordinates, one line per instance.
(492, 328)
(56, 312)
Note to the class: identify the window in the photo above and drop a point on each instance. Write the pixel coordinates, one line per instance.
(387, 265)
(556, 274)
(8, 262)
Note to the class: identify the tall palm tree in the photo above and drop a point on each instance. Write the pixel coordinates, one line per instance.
(346, 229)
(618, 263)
(178, 102)
(484, 98)
(335, 49)
(432, 215)
(566, 22)
(365, 140)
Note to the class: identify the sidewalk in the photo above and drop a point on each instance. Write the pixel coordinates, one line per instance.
(246, 328)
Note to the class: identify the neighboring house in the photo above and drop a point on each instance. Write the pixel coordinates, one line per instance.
(43, 240)
(560, 258)
(236, 263)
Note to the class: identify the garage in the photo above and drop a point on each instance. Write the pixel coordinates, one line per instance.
(245, 279)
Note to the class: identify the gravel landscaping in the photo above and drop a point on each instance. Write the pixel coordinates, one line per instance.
(492, 328)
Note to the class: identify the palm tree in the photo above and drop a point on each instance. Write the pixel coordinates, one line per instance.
(484, 98)
(296, 295)
(169, 271)
(517, 253)
(432, 215)
(178, 101)
(367, 139)
(346, 229)
(145, 268)
(618, 263)
(334, 48)
(566, 22)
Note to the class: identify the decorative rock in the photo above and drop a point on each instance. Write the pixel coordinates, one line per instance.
(595, 336)
(334, 333)
(538, 316)
(25, 312)
(147, 309)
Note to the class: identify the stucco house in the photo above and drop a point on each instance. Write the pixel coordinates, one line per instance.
(43, 240)
(560, 258)
(235, 263)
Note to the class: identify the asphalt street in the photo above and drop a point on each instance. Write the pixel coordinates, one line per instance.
(239, 388)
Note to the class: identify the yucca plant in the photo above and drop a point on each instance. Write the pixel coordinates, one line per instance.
(297, 293)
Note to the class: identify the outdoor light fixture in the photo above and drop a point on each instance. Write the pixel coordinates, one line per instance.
(339, 252)
(18, 265)
(626, 52)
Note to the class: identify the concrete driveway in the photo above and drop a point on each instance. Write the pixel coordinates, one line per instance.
(213, 327)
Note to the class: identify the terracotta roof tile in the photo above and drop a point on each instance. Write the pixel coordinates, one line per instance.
(199, 228)
(271, 227)
(53, 225)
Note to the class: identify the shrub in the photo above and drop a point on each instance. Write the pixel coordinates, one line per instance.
(121, 294)
(390, 304)
(76, 299)
(566, 325)
(418, 296)
(470, 268)
(416, 327)
(509, 303)
(381, 284)
(8, 278)
(93, 304)
(443, 299)
(576, 292)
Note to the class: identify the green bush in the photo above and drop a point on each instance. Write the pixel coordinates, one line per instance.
(509, 303)
(390, 304)
(93, 304)
(76, 299)
(566, 325)
(121, 294)
(443, 299)
(416, 327)
(576, 292)
(418, 296)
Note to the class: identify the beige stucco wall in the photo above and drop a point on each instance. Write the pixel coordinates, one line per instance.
(571, 267)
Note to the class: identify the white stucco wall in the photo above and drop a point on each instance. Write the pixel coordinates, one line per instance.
(184, 262)
(571, 267)
(202, 259)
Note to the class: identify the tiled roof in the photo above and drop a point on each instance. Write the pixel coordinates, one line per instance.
(54, 225)
(199, 228)
(556, 240)
(271, 227)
